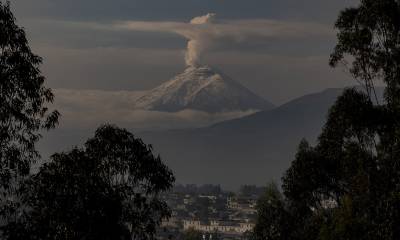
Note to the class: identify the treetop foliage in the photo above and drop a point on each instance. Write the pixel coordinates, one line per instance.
(107, 190)
(347, 186)
(24, 111)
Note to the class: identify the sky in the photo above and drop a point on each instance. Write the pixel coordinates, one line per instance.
(277, 48)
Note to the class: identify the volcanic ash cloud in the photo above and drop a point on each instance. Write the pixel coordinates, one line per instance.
(199, 40)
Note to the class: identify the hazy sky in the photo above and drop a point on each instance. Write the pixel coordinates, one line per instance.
(282, 55)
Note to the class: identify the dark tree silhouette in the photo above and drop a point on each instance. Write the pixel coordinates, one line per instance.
(347, 186)
(107, 190)
(192, 234)
(272, 216)
(23, 112)
(370, 35)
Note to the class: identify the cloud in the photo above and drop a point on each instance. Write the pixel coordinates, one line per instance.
(86, 109)
(205, 32)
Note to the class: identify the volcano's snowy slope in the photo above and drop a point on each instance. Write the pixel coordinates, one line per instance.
(204, 89)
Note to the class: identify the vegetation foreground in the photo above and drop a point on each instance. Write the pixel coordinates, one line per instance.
(345, 187)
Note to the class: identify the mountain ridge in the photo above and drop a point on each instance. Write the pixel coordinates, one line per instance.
(258, 147)
(202, 88)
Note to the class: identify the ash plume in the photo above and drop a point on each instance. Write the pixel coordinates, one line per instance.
(198, 42)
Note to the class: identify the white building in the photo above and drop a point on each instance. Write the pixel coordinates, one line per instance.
(218, 226)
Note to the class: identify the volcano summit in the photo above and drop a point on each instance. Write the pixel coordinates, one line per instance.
(204, 89)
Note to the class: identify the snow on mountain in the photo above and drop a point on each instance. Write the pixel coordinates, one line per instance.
(202, 88)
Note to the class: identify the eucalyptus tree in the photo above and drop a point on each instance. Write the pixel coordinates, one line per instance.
(347, 186)
(24, 112)
(110, 189)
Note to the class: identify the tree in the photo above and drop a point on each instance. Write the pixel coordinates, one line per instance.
(71, 200)
(346, 187)
(370, 35)
(23, 112)
(272, 217)
(107, 190)
(335, 185)
(192, 234)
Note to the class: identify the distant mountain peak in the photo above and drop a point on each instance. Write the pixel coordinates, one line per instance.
(202, 88)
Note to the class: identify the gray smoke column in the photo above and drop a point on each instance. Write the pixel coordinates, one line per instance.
(199, 41)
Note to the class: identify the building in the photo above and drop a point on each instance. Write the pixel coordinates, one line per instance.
(218, 226)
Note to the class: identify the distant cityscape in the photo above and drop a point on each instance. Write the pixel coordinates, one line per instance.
(210, 212)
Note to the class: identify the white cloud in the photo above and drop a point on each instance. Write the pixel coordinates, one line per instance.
(205, 32)
(235, 28)
(86, 109)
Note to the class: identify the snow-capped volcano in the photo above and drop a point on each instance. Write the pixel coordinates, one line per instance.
(204, 89)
